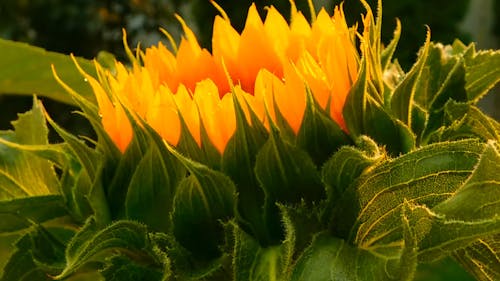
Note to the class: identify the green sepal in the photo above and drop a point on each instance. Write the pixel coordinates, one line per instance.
(206, 153)
(89, 183)
(388, 52)
(147, 170)
(21, 213)
(251, 261)
(364, 115)
(154, 181)
(26, 70)
(319, 135)
(202, 200)
(404, 94)
(238, 163)
(151, 190)
(369, 211)
(286, 173)
(419, 118)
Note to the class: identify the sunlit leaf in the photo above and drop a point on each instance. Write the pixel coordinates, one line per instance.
(26, 70)
(22, 174)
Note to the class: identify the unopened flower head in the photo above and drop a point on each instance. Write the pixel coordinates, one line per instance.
(269, 67)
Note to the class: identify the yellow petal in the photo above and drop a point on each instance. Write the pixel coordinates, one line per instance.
(189, 112)
(217, 114)
(163, 116)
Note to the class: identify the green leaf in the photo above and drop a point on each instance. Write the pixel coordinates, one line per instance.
(467, 221)
(355, 104)
(477, 199)
(403, 96)
(481, 73)
(466, 121)
(238, 162)
(331, 258)
(286, 173)
(442, 77)
(84, 176)
(364, 114)
(17, 214)
(21, 174)
(202, 200)
(442, 270)
(482, 258)
(387, 130)
(319, 135)
(151, 190)
(125, 237)
(368, 213)
(438, 235)
(39, 254)
(26, 70)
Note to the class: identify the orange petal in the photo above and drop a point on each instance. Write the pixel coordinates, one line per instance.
(255, 52)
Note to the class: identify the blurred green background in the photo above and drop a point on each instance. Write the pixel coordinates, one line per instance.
(85, 27)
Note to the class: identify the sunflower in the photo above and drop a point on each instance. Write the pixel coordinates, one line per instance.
(271, 65)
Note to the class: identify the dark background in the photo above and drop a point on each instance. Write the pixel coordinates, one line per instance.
(85, 27)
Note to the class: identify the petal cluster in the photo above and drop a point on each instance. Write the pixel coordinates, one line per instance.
(271, 65)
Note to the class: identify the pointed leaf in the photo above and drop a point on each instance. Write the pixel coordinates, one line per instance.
(386, 55)
(387, 130)
(39, 254)
(122, 236)
(403, 96)
(25, 174)
(26, 70)
(22, 213)
(238, 163)
(319, 135)
(481, 73)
